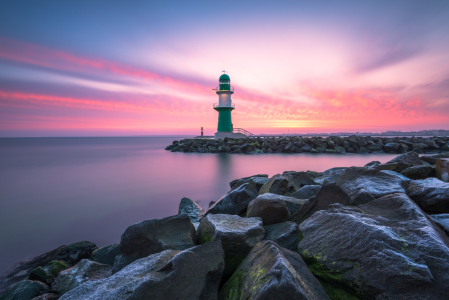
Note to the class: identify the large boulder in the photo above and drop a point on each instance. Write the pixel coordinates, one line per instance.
(432, 159)
(430, 194)
(25, 290)
(48, 296)
(306, 192)
(272, 272)
(418, 172)
(355, 186)
(234, 203)
(298, 179)
(284, 234)
(385, 249)
(356, 181)
(329, 175)
(237, 235)
(256, 180)
(192, 274)
(83, 271)
(406, 160)
(269, 208)
(70, 254)
(48, 273)
(152, 236)
(191, 208)
(442, 220)
(107, 254)
(276, 185)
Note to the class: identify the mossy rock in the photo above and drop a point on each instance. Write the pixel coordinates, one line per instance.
(40, 274)
(55, 267)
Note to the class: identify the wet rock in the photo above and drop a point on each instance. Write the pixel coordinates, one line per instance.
(384, 249)
(284, 234)
(235, 181)
(70, 254)
(432, 159)
(83, 271)
(306, 192)
(372, 165)
(191, 274)
(374, 147)
(272, 272)
(41, 275)
(391, 147)
(442, 169)
(442, 221)
(356, 180)
(106, 255)
(234, 203)
(418, 172)
(191, 208)
(406, 160)
(306, 148)
(269, 208)
(25, 290)
(298, 179)
(48, 296)
(430, 194)
(399, 175)
(276, 185)
(329, 175)
(387, 166)
(152, 236)
(237, 235)
(293, 204)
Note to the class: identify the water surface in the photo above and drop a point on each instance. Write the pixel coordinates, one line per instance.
(56, 191)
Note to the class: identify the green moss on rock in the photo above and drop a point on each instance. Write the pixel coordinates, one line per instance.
(39, 274)
(55, 267)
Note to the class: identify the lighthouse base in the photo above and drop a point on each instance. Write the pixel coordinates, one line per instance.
(222, 135)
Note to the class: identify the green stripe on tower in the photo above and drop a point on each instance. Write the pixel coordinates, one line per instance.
(224, 119)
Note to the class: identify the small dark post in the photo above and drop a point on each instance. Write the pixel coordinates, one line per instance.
(201, 131)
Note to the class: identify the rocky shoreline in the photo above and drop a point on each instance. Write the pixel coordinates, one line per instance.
(372, 232)
(299, 144)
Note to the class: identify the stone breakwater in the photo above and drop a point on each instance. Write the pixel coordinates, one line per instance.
(372, 232)
(298, 144)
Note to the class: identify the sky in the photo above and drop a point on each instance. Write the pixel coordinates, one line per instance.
(121, 68)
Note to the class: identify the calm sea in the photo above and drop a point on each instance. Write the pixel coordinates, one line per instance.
(56, 191)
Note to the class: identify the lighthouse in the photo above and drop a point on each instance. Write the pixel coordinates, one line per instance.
(224, 107)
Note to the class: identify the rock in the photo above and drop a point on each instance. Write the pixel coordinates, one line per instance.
(430, 194)
(432, 159)
(192, 274)
(234, 203)
(399, 175)
(25, 290)
(83, 271)
(49, 296)
(190, 208)
(152, 236)
(387, 166)
(306, 148)
(269, 208)
(298, 179)
(284, 234)
(442, 169)
(329, 175)
(70, 254)
(272, 272)
(306, 192)
(442, 221)
(237, 235)
(418, 172)
(313, 150)
(106, 255)
(384, 249)
(211, 203)
(391, 147)
(276, 185)
(374, 147)
(372, 165)
(41, 275)
(355, 186)
(406, 160)
(232, 183)
(374, 182)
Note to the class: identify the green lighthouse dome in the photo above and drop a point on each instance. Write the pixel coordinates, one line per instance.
(225, 82)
